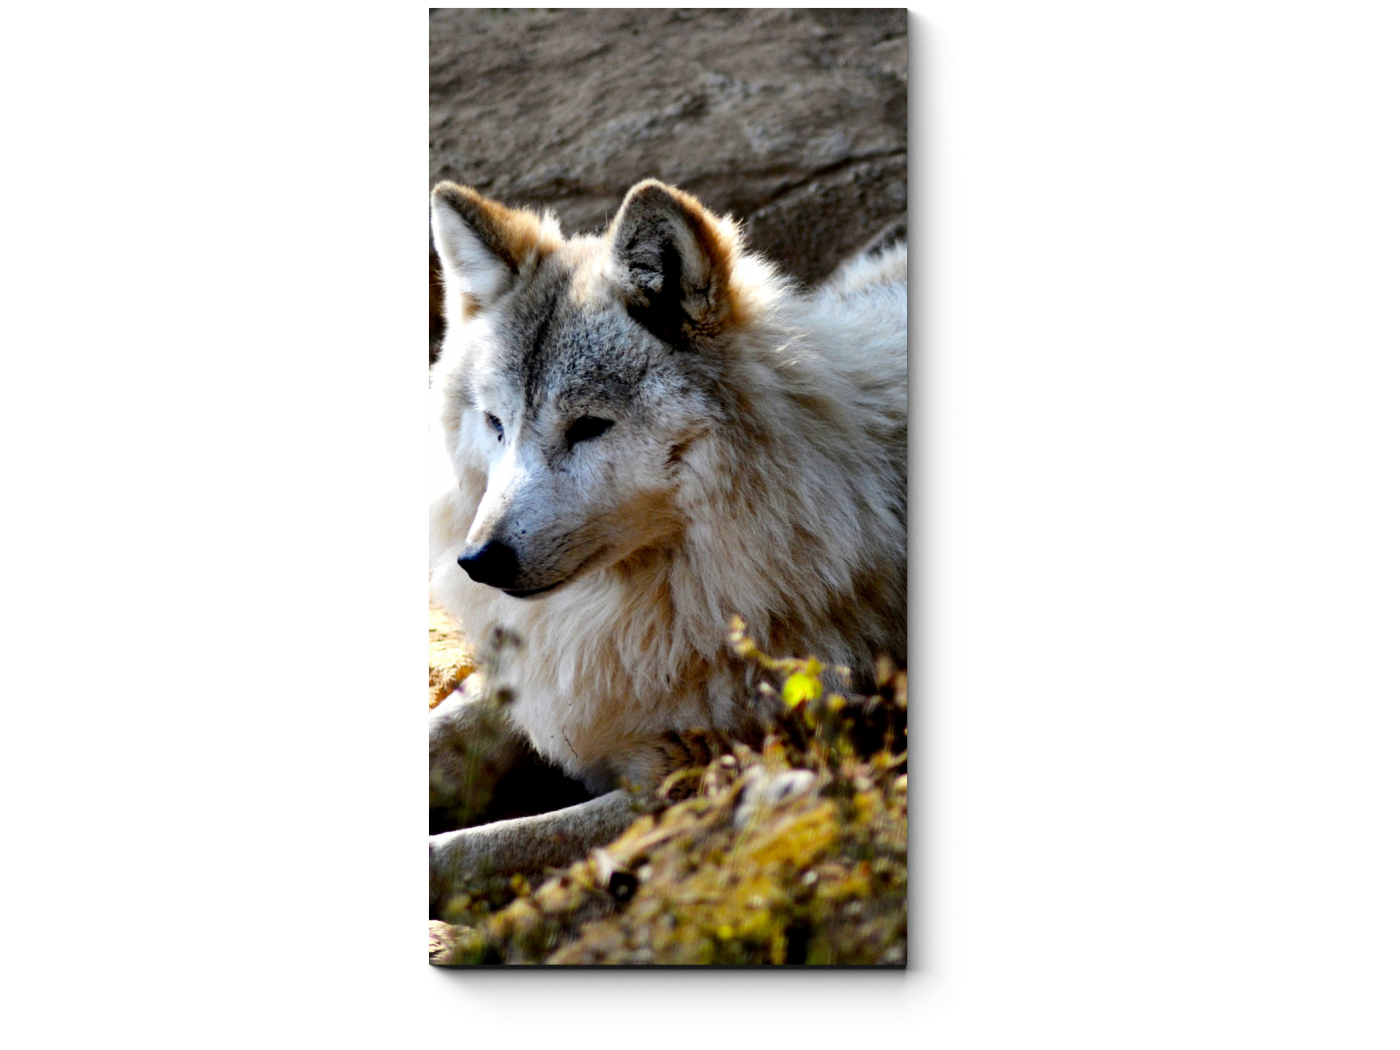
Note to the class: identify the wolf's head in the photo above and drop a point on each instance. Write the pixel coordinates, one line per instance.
(578, 376)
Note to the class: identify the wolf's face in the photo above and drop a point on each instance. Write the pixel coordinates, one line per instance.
(578, 417)
(576, 378)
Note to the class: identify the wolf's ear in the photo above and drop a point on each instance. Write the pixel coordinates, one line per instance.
(673, 261)
(483, 245)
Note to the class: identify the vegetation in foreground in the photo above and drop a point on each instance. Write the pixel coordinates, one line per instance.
(795, 853)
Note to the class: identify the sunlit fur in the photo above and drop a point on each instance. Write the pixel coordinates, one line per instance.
(756, 466)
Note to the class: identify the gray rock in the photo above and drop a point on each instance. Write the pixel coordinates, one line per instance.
(792, 120)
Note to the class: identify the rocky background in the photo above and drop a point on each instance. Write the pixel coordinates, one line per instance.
(792, 120)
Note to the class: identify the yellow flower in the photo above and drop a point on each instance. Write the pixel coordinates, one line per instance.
(801, 686)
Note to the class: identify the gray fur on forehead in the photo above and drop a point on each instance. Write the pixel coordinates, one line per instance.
(553, 349)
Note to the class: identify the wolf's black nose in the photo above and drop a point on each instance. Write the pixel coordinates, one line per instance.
(493, 564)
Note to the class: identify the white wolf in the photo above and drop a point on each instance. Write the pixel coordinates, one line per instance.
(639, 436)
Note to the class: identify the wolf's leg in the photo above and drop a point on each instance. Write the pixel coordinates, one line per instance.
(471, 746)
(525, 844)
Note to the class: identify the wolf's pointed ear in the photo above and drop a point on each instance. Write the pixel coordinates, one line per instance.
(673, 260)
(484, 245)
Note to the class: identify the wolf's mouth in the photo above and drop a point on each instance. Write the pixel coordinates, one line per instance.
(534, 592)
(587, 564)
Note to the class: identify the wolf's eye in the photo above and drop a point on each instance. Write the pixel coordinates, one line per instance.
(586, 429)
(495, 424)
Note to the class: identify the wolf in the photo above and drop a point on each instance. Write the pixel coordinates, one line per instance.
(637, 436)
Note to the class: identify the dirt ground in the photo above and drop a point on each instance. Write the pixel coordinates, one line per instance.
(449, 663)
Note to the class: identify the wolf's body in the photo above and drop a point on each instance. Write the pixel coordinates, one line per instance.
(643, 434)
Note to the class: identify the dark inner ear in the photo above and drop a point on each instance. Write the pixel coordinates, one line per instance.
(659, 310)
